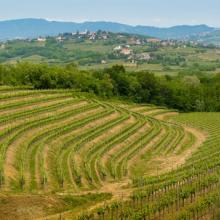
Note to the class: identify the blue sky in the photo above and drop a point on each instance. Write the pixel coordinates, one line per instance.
(144, 12)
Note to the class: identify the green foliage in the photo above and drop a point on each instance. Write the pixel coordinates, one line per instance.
(74, 201)
(185, 93)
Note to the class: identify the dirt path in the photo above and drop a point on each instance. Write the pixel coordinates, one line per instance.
(119, 190)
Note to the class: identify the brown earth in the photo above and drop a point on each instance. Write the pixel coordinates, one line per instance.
(23, 207)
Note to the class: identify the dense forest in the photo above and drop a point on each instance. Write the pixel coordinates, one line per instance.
(185, 92)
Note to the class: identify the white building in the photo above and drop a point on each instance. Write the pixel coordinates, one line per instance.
(118, 48)
(41, 39)
(103, 62)
(60, 38)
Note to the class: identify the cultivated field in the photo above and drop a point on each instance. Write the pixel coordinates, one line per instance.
(57, 143)
(189, 192)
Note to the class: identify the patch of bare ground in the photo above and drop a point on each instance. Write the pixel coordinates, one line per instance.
(119, 190)
(23, 207)
(166, 163)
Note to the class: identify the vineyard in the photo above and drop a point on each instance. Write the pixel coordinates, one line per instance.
(189, 192)
(59, 141)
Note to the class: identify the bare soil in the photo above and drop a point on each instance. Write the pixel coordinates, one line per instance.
(23, 207)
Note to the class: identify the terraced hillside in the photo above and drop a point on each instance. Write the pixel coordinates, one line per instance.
(189, 192)
(60, 141)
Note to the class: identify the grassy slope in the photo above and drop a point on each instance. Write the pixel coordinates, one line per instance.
(200, 175)
(61, 141)
(57, 146)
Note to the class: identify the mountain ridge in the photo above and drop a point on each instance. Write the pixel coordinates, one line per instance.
(32, 28)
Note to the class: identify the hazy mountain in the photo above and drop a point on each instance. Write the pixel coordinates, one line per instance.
(210, 38)
(31, 28)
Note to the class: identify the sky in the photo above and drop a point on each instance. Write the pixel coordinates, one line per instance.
(162, 13)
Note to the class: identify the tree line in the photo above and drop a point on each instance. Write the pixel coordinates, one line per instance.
(185, 92)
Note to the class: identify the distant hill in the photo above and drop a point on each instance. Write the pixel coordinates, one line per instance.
(31, 28)
(210, 38)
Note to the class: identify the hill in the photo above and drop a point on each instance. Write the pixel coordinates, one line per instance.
(190, 192)
(32, 28)
(66, 150)
(68, 143)
(99, 50)
(210, 38)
